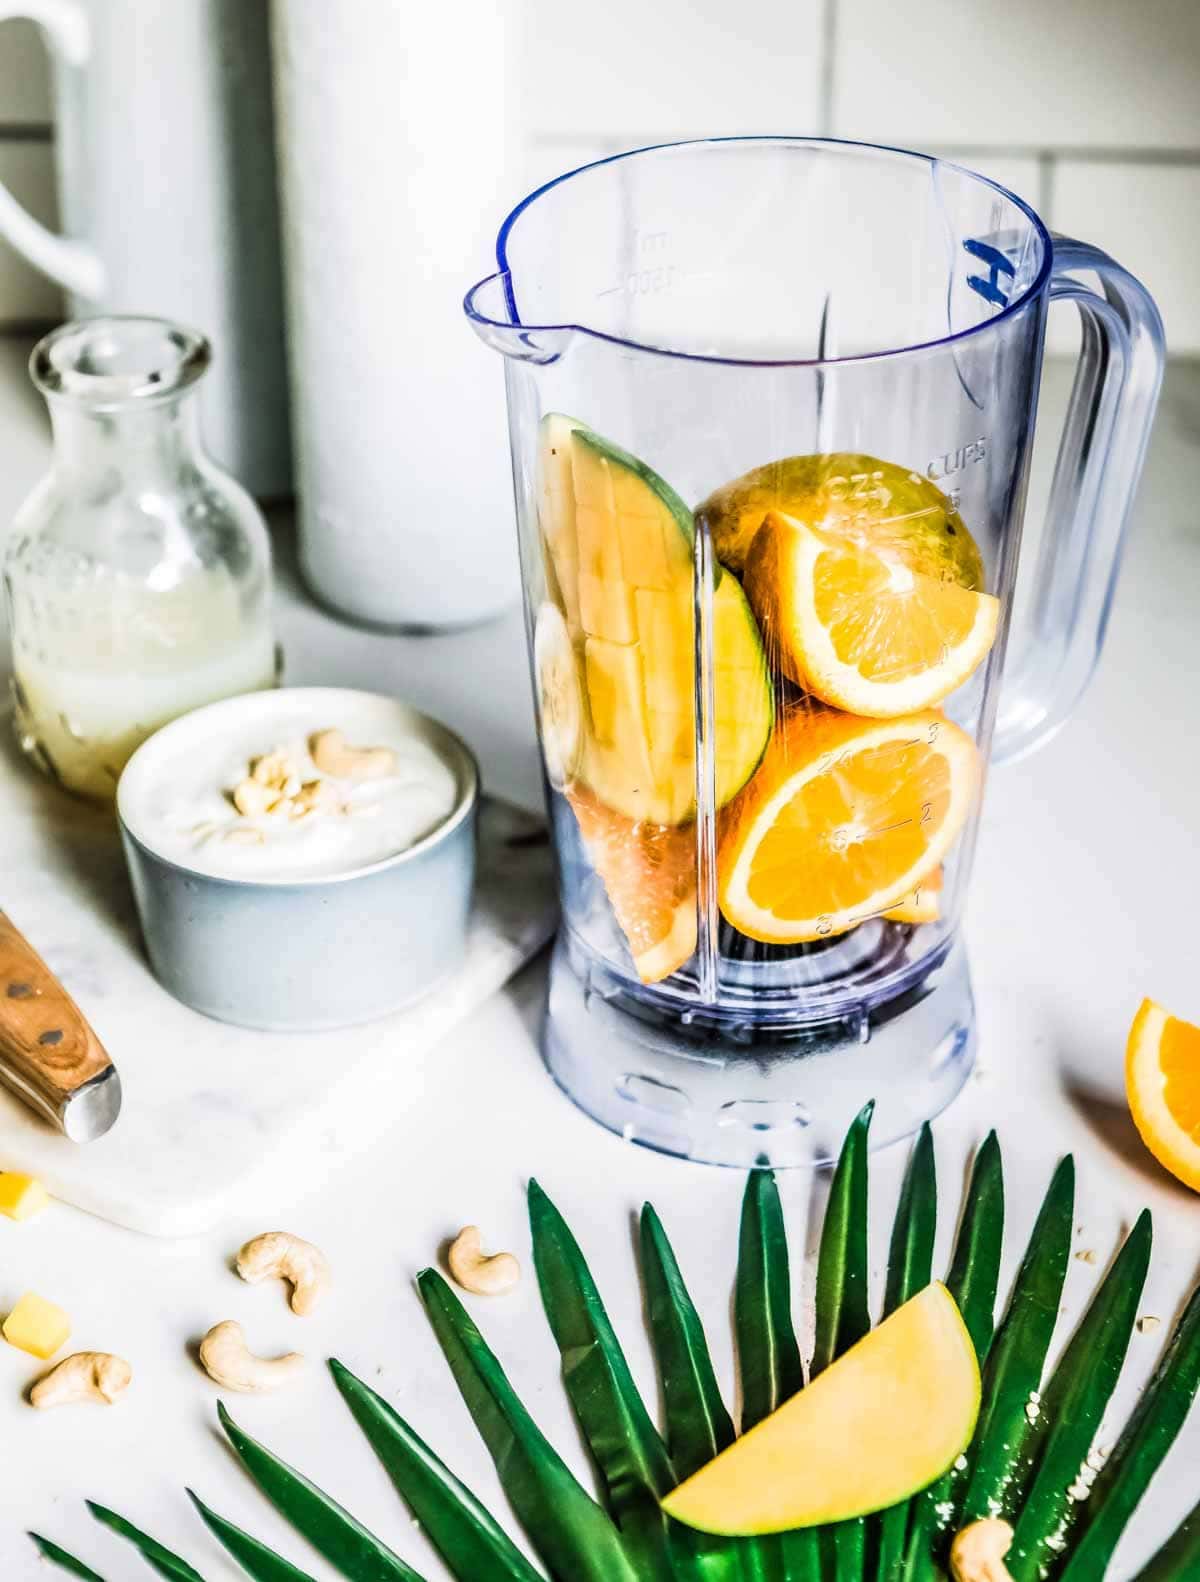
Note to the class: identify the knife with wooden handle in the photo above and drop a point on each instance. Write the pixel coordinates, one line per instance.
(49, 1056)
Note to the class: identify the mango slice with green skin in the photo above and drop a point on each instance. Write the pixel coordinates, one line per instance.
(619, 542)
(892, 510)
(886, 1419)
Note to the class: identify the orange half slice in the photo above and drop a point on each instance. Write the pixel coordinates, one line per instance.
(923, 904)
(841, 821)
(861, 630)
(1162, 1081)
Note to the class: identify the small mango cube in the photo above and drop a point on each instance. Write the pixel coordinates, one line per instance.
(36, 1326)
(21, 1197)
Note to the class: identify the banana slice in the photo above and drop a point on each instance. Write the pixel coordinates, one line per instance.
(559, 696)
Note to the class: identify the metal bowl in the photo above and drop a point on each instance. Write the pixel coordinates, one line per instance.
(303, 955)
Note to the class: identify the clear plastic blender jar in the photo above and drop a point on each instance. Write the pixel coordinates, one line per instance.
(771, 403)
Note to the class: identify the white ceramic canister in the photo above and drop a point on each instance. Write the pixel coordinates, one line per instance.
(396, 159)
(165, 157)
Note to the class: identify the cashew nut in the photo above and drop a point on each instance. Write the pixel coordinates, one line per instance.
(279, 1255)
(240, 835)
(251, 797)
(334, 756)
(83, 1376)
(314, 796)
(978, 1551)
(276, 771)
(227, 1359)
(474, 1271)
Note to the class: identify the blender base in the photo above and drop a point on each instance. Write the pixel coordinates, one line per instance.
(784, 1100)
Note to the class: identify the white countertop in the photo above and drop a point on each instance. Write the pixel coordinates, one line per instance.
(1085, 898)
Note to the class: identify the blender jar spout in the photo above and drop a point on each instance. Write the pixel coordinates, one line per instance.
(488, 306)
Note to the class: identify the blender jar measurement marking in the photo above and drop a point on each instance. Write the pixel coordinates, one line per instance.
(952, 461)
(644, 282)
(998, 263)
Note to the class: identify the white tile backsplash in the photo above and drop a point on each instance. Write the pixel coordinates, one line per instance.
(1148, 218)
(1009, 90)
(1028, 72)
(24, 77)
(1020, 173)
(27, 170)
(674, 68)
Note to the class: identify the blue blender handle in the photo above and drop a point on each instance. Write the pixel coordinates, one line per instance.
(1096, 476)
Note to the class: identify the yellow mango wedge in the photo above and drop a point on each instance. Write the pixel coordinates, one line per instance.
(21, 1197)
(883, 1421)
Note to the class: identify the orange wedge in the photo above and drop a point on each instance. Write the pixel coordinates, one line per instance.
(923, 904)
(841, 821)
(1162, 1081)
(649, 874)
(861, 630)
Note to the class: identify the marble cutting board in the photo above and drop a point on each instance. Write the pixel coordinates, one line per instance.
(213, 1116)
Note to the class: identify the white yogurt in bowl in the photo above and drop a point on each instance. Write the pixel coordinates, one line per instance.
(301, 858)
(177, 795)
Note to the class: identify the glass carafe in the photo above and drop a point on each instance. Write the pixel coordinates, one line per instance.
(771, 403)
(137, 575)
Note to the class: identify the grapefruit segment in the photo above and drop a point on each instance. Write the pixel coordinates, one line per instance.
(649, 874)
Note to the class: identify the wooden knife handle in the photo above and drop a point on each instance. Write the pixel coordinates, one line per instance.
(45, 1042)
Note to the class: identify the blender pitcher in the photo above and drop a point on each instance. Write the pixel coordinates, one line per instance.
(771, 403)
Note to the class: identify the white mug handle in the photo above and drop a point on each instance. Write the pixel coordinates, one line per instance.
(72, 264)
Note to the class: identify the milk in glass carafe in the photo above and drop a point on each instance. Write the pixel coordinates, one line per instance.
(137, 574)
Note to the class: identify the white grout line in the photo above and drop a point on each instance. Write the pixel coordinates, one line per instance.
(828, 66)
(1099, 154)
(1047, 180)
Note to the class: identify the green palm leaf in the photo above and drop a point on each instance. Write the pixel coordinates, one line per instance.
(1028, 1454)
(1018, 1354)
(768, 1359)
(571, 1533)
(972, 1281)
(910, 1256)
(1073, 1404)
(698, 1425)
(974, 1276)
(255, 1559)
(624, 1443)
(843, 1316)
(344, 1542)
(1139, 1452)
(910, 1269)
(1179, 1558)
(153, 1553)
(60, 1557)
(472, 1544)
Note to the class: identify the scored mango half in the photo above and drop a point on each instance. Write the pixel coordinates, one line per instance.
(618, 542)
(886, 1419)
